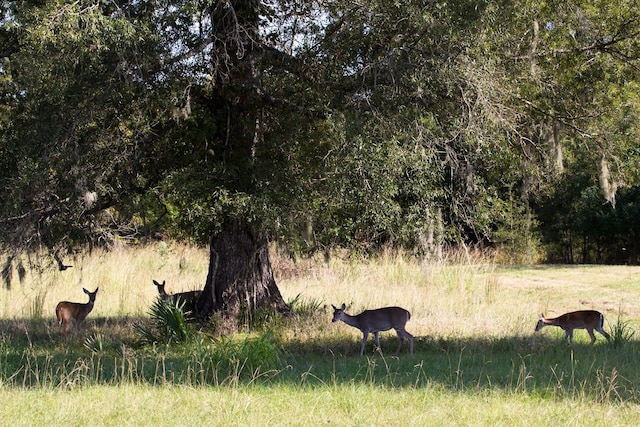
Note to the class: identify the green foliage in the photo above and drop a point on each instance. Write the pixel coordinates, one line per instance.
(622, 332)
(387, 124)
(169, 324)
(95, 343)
(579, 228)
(305, 306)
(516, 233)
(233, 356)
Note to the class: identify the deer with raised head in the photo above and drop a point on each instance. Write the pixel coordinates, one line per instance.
(591, 320)
(187, 300)
(67, 311)
(375, 321)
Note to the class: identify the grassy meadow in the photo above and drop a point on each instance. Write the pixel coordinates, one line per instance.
(476, 362)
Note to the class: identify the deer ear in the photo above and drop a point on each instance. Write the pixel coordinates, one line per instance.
(85, 291)
(334, 307)
(155, 283)
(343, 306)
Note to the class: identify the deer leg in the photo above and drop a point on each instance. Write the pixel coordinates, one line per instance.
(603, 333)
(592, 335)
(400, 338)
(569, 334)
(401, 335)
(410, 338)
(365, 335)
(377, 336)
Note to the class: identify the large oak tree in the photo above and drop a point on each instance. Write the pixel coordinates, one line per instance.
(317, 123)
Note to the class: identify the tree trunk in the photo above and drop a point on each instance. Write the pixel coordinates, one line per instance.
(240, 277)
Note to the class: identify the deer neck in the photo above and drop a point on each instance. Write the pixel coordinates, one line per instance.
(351, 320)
(552, 322)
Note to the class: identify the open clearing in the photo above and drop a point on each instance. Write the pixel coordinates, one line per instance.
(477, 360)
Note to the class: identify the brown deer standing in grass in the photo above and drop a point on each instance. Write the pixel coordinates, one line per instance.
(584, 319)
(185, 299)
(66, 311)
(381, 319)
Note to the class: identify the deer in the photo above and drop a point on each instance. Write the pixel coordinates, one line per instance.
(584, 319)
(186, 299)
(66, 311)
(381, 319)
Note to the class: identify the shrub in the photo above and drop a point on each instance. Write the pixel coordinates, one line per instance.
(169, 324)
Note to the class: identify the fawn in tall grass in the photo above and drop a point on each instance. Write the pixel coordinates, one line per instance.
(67, 311)
(591, 320)
(381, 319)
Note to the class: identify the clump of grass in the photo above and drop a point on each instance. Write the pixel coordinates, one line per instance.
(37, 305)
(229, 359)
(622, 332)
(253, 351)
(608, 389)
(305, 307)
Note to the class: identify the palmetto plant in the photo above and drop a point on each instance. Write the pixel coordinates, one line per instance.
(169, 324)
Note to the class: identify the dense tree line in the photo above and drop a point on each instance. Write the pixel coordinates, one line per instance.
(320, 124)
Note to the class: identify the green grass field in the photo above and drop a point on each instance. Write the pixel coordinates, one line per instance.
(476, 362)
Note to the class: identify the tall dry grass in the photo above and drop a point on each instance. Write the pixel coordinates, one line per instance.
(462, 296)
(466, 295)
(124, 277)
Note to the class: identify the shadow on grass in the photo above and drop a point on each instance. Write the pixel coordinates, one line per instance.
(108, 351)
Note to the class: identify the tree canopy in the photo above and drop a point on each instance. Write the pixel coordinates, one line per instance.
(323, 123)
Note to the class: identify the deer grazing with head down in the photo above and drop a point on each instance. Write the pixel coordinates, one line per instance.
(67, 311)
(186, 300)
(591, 320)
(381, 319)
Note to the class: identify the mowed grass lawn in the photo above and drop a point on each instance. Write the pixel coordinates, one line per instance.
(343, 405)
(477, 360)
